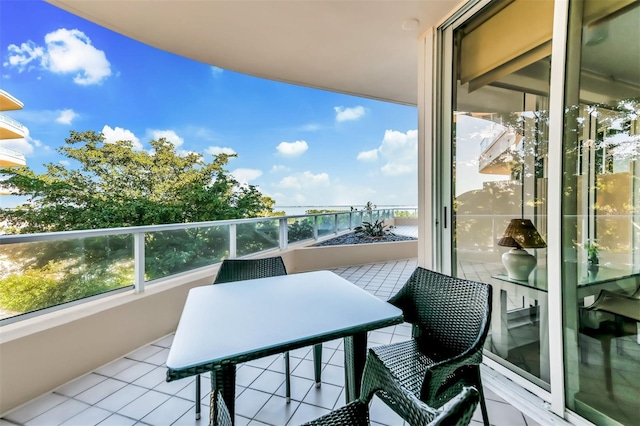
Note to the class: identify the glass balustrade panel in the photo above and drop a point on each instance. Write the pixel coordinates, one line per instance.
(181, 250)
(257, 236)
(299, 229)
(39, 275)
(325, 224)
(343, 221)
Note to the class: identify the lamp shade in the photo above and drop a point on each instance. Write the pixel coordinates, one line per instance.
(521, 233)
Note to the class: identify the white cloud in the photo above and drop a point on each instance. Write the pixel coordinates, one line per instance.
(66, 116)
(278, 168)
(400, 150)
(169, 135)
(216, 71)
(21, 57)
(311, 127)
(215, 150)
(368, 156)
(120, 134)
(306, 180)
(244, 176)
(65, 163)
(65, 52)
(348, 114)
(71, 51)
(292, 149)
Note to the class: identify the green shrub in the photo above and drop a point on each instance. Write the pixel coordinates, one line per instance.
(376, 229)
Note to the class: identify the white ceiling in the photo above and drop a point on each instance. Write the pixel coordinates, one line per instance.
(357, 47)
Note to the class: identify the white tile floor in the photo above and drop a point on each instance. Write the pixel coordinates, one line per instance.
(133, 391)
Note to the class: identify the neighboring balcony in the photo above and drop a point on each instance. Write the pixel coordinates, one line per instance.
(11, 129)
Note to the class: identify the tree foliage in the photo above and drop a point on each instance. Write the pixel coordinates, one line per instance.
(113, 185)
(109, 185)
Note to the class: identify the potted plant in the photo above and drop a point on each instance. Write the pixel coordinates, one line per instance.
(593, 261)
(375, 230)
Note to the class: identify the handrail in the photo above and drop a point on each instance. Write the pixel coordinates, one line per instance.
(11, 121)
(12, 152)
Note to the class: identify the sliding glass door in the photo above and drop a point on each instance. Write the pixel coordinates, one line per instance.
(500, 104)
(494, 162)
(601, 211)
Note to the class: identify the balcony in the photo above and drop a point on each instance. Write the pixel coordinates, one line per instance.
(132, 388)
(11, 129)
(103, 355)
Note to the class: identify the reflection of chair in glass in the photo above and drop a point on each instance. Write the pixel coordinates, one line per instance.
(450, 318)
(457, 409)
(626, 313)
(247, 269)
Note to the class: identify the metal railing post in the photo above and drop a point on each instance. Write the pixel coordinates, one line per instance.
(233, 242)
(138, 262)
(335, 223)
(284, 234)
(315, 227)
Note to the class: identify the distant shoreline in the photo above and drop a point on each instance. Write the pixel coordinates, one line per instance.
(293, 210)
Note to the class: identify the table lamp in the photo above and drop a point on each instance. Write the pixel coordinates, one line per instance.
(520, 234)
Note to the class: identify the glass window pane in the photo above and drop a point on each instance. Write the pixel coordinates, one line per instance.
(601, 212)
(499, 183)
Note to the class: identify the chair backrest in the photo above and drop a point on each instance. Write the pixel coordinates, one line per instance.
(458, 411)
(248, 269)
(452, 315)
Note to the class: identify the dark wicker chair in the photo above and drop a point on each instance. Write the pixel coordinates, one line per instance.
(246, 269)
(458, 410)
(450, 318)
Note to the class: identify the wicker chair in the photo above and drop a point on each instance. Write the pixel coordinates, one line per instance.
(458, 410)
(246, 269)
(450, 318)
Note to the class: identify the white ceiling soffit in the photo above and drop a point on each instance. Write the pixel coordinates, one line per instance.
(357, 47)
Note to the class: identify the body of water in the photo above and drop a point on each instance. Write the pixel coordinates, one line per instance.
(296, 210)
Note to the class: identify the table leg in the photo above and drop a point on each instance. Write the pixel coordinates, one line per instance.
(317, 363)
(198, 397)
(223, 378)
(355, 355)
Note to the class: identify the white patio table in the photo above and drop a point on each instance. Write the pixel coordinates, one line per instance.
(226, 324)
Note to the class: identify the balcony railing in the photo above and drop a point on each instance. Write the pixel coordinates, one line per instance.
(11, 152)
(46, 271)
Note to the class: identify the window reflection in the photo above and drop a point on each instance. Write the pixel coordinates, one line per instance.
(601, 212)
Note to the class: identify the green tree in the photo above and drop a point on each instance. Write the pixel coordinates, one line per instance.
(113, 185)
(110, 185)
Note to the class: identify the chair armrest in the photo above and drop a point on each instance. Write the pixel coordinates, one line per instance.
(617, 304)
(438, 375)
(459, 410)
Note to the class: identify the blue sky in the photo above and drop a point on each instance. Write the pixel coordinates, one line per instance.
(301, 146)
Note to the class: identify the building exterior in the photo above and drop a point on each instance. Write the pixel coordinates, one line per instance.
(528, 110)
(10, 129)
